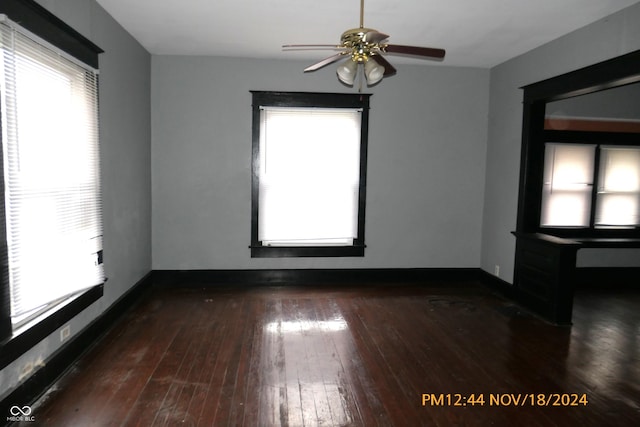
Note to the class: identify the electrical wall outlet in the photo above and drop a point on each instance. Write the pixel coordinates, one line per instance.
(496, 270)
(65, 333)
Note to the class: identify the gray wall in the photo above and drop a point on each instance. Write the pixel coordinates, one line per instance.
(427, 145)
(617, 103)
(125, 137)
(610, 37)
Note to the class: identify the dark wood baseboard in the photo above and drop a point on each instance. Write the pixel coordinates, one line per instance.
(62, 359)
(496, 284)
(302, 277)
(512, 293)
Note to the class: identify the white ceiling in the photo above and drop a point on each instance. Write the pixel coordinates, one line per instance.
(475, 33)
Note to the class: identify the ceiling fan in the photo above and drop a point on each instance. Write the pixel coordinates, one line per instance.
(365, 46)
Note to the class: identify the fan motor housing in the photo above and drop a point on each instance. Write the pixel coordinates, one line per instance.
(354, 40)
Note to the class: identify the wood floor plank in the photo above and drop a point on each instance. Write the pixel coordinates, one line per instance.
(159, 387)
(361, 397)
(205, 361)
(253, 388)
(326, 364)
(299, 385)
(187, 382)
(273, 408)
(223, 372)
(234, 389)
(383, 375)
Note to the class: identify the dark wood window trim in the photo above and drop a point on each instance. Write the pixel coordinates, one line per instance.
(44, 24)
(616, 72)
(545, 258)
(308, 99)
(47, 26)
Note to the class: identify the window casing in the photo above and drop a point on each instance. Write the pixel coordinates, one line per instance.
(50, 215)
(309, 174)
(614, 73)
(52, 174)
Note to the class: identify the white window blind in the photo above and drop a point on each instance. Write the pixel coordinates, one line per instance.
(567, 185)
(309, 176)
(50, 149)
(618, 200)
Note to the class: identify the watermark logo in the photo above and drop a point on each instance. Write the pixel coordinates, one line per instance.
(16, 410)
(20, 413)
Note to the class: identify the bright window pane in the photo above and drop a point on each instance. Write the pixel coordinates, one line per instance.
(309, 176)
(567, 185)
(618, 201)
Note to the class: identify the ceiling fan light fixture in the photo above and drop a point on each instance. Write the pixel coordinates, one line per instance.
(373, 71)
(347, 72)
(364, 44)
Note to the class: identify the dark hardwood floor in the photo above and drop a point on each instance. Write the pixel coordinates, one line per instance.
(355, 356)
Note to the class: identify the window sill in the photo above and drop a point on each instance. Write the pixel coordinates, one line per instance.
(587, 232)
(306, 251)
(30, 335)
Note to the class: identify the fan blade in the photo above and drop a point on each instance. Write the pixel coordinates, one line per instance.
(414, 50)
(374, 37)
(389, 69)
(324, 62)
(311, 47)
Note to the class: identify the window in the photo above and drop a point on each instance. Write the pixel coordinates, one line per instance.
(618, 201)
(51, 215)
(51, 170)
(579, 176)
(595, 127)
(567, 185)
(309, 164)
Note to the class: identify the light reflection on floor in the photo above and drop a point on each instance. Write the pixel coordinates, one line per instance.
(303, 373)
(289, 326)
